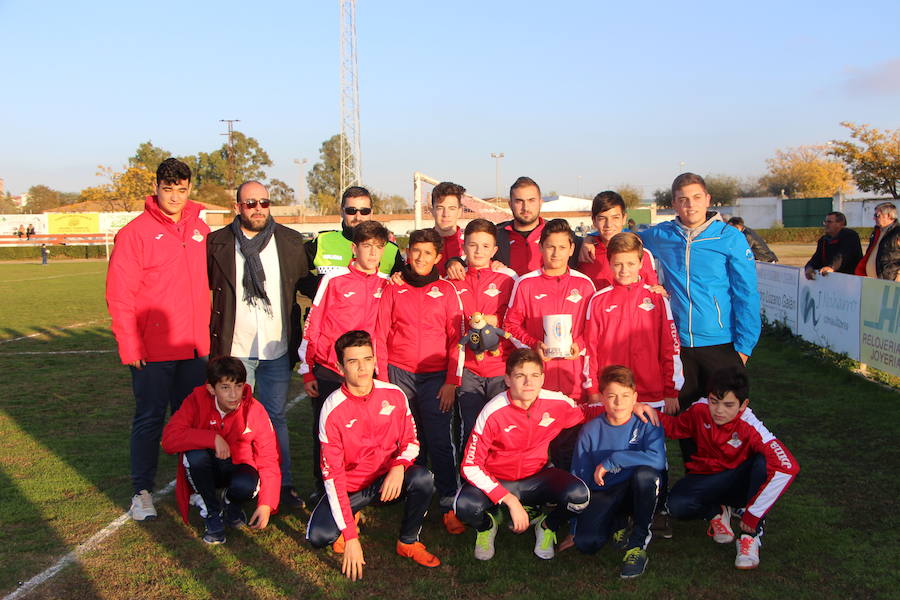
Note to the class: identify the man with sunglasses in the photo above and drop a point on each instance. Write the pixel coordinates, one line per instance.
(255, 315)
(331, 249)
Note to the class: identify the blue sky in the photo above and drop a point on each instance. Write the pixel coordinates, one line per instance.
(584, 95)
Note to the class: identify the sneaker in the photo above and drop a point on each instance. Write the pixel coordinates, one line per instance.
(720, 527)
(290, 498)
(142, 508)
(234, 515)
(418, 553)
(747, 552)
(534, 514)
(620, 538)
(340, 544)
(634, 563)
(661, 525)
(544, 540)
(484, 541)
(452, 523)
(215, 530)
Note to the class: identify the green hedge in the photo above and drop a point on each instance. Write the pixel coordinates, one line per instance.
(803, 235)
(56, 252)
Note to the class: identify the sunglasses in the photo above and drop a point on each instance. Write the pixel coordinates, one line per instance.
(352, 210)
(253, 203)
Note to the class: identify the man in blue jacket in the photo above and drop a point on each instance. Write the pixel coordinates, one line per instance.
(708, 270)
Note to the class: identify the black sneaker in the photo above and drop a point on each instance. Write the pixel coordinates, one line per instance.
(634, 563)
(234, 515)
(215, 530)
(290, 498)
(661, 525)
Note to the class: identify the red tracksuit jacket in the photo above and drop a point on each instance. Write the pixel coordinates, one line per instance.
(453, 248)
(630, 325)
(249, 434)
(723, 447)
(600, 272)
(157, 288)
(419, 329)
(487, 292)
(509, 443)
(347, 299)
(522, 254)
(537, 294)
(362, 438)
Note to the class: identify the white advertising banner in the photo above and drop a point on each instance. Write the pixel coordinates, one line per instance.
(828, 312)
(778, 293)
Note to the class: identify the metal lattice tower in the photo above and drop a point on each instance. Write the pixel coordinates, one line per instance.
(351, 160)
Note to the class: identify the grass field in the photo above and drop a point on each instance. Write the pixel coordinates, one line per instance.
(65, 411)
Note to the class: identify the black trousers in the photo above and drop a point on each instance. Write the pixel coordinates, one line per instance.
(206, 473)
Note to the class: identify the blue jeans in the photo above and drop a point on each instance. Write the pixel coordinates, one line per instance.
(270, 380)
(157, 386)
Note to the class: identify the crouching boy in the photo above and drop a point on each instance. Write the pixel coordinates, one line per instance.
(621, 458)
(226, 440)
(739, 468)
(368, 448)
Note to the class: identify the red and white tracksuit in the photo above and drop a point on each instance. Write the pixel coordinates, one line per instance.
(723, 447)
(521, 253)
(510, 443)
(537, 294)
(347, 299)
(632, 326)
(601, 273)
(362, 438)
(453, 248)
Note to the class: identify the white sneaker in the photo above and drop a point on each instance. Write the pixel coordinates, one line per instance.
(747, 552)
(720, 527)
(544, 540)
(484, 541)
(142, 508)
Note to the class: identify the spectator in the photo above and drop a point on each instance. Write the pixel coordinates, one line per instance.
(45, 254)
(882, 259)
(20, 232)
(838, 250)
(758, 246)
(29, 231)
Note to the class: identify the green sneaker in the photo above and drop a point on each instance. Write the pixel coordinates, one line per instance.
(634, 563)
(544, 540)
(484, 541)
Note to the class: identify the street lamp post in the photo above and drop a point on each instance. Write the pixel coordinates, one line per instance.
(497, 156)
(301, 191)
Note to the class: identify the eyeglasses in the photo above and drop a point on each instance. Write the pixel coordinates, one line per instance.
(352, 210)
(253, 203)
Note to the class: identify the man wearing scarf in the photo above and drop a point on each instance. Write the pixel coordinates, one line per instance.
(255, 315)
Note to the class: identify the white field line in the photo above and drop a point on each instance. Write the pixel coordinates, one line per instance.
(2, 354)
(97, 538)
(51, 277)
(40, 333)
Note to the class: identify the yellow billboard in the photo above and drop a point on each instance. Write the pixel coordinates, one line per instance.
(72, 223)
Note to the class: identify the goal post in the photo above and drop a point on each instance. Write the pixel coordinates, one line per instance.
(473, 206)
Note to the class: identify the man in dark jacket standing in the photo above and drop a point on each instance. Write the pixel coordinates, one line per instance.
(882, 259)
(255, 316)
(838, 250)
(758, 246)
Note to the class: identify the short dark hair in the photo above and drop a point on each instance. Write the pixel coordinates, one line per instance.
(625, 242)
(524, 182)
(729, 379)
(426, 236)
(605, 201)
(370, 230)
(687, 179)
(225, 368)
(355, 191)
(557, 226)
(839, 216)
(352, 339)
(735, 221)
(172, 171)
(481, 226)
(617, 374)
(237, 193)
(521, 356)
(447, 188)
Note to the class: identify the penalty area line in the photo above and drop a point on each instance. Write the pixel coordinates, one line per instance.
(96, 539)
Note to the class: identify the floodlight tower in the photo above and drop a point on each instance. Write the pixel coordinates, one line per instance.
(351, 160)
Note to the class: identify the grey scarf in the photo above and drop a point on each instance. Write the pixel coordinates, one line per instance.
(254, 278)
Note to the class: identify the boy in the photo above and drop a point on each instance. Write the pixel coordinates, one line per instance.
(621, 458)
(484, 291)
(347, 299)
(739, 466)
(608, 216)
(368, 447)
(226, 440)
(417, 344)
(446, 208)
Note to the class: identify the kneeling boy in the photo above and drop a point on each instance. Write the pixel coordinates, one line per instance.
(739, 465)
(368, 447)
(621, 458)
(226, 440)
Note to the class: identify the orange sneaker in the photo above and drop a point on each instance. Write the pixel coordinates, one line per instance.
(418, 553)
(339, 544)
(452, 523)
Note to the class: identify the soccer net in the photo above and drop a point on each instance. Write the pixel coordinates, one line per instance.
(473, 206)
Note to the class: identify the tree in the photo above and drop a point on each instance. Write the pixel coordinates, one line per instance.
(148, 156)
(805, 172)
(280, 193)
(248, 161)
(7, 206)
(663, 198)
(41, 198)
(324, 179)
(875, 163)
(723, 189)
(389, 205)
(213, 193)
(125, 191)
(751, 187)
(630, 194)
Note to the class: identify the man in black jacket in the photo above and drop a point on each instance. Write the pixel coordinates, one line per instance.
(838, 250)
(255, 316)
(882, 259)
(758, 246)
